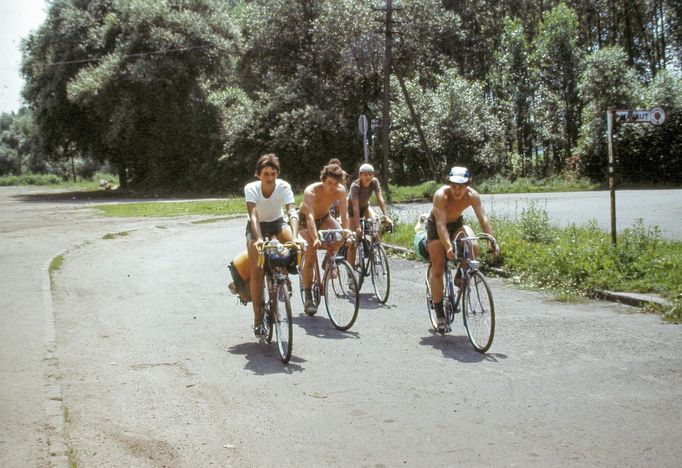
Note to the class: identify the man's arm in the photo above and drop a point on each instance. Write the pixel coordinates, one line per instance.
(440, 215)
(307, 206)
(343, 207)
(293, 218)
(253, 220)
(483, 219)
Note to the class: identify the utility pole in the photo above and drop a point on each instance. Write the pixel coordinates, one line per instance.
(386, 108)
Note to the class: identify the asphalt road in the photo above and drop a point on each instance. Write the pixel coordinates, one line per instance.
(148, 359)
(662, 208)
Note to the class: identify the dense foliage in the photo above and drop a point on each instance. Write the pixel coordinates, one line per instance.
(188, 93)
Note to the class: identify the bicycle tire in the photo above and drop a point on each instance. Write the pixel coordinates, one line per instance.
(380, 272)
(281, 321)
(314, 288)
(478, 312)
(449, 299)
(341, 300)
(429, 300)
(360, 265)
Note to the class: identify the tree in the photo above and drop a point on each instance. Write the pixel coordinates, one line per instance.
(129, 82)
(460, 126)
(511, 88)
(606, 82)
(556, 67)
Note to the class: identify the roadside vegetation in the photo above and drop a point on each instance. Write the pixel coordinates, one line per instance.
(55, 265)
(54, 181)
(580, 261)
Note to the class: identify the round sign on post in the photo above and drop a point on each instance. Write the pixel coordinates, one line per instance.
(362, 124)
(657, 116)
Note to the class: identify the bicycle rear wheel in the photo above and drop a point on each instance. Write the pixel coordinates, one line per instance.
(478, 312)
(314, 288)
(429, 300)
(282, 322)
(340, 294)
(381, 274)
(449, 299)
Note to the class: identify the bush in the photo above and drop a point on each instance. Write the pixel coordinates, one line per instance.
(30, 179)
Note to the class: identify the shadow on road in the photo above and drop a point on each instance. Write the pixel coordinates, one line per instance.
(369, 301)
(262, 358)
(321, 327)
(458, 347)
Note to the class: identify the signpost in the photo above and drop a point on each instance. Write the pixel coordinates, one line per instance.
(363, 127)
(655, 116)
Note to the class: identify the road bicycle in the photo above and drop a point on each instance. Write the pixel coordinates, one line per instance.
(371, 259)
(338, 285)
(473, 297)
(276, 259)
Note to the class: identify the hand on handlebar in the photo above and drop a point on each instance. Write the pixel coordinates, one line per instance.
(494, 249)
(451, 254)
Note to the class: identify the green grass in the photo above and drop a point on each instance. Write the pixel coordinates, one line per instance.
(496, 185)
(167, 209)
(55, 265)
(578, 261)
(54, 181)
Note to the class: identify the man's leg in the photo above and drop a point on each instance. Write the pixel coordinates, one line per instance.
(350, 254)
(256, 287)
(307, 273)
(437, 258)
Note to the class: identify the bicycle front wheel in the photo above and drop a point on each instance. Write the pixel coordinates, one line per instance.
(340, 294)
(360, 261)
(478, 312)
(381, 275)
(282, 323)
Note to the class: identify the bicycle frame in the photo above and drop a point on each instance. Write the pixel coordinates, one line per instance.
(276, 281)
(473, 295)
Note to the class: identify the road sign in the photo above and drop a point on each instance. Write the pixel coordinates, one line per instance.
(362, 124)
(633, 116)
(654, 116)
(657, 116)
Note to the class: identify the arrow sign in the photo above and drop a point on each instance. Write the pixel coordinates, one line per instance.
(633, 116)
(654, 116)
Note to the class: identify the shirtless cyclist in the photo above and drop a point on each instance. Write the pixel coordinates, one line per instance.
(443, 224)
(314, 215)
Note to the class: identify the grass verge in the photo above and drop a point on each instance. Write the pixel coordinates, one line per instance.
(55, 265)
(579, 261)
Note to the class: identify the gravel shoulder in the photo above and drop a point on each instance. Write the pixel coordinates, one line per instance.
(155, 365)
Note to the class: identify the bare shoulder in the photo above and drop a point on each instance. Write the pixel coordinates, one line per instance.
(473, 198)
(440, 196)
(310, 189)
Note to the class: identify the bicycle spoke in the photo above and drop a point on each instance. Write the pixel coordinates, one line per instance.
(282, 322)
(381, 275)
(479, 312)
(340, 296)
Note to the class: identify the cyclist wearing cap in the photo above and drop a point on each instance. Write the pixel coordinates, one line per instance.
(264, 201)
(314, 214)
(441, 226)
(358, 202)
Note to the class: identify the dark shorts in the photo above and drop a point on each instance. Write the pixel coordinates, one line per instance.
(432, 231)
(267, 229)
(363, 210)
(303, 221)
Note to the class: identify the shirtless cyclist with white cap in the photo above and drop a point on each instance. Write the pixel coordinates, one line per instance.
(443, 224)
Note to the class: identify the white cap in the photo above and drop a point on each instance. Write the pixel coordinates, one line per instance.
(459, 175)
(366, 168)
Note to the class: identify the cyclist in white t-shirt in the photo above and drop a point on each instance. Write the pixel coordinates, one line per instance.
(264, 201)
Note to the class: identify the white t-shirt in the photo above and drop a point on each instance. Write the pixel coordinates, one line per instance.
(269, 209)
